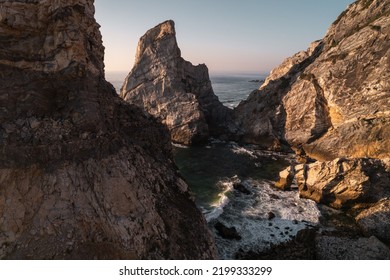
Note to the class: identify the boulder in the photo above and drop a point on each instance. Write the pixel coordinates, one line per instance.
(345, 248)
(342, 183)
(286, 178)
(271, 215)
(376, 220)
(227, 232)
(241, 188)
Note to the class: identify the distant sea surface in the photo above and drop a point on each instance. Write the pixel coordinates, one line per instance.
(230, 88)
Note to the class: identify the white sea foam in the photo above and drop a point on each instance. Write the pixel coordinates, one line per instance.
(249, 214)
(179, 146)
(243, 151)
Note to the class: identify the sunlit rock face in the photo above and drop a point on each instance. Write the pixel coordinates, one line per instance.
(331, 104)
(332, 100)
(173, 90)
(83, 174)
(344, 183)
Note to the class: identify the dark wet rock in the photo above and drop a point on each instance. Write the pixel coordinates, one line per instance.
(227, 232)
(271, 215)
(241, 188)
(376, 220)
(344, 248)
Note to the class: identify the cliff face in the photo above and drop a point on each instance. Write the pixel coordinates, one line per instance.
(332, 100)
(82, 173)
(172, 89)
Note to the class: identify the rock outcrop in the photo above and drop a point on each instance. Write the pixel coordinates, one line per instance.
(343, 183)
(173, 90)
(332, 100)
(343, 248)
(361, 187)
(83, 174)
(331, 104)
(309, 244)
(376, 220)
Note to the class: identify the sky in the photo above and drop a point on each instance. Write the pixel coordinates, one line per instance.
(229, 36)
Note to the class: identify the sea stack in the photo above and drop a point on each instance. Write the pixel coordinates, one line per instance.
(173, 90)
(83, 174)
(332, 100)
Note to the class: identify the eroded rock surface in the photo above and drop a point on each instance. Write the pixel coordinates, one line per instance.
(376, 220)
(82, 173)
(343, 248)
(343, 183)
(173, 90)
(361, 187)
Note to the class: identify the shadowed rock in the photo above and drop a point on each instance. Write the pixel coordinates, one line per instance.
(83, 174)
(227, 232)
(376, 220)
(241, 188)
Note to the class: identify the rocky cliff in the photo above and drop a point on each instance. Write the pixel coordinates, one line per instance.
(332, 100)
(82, 173)
(331, 103)
(172, 89)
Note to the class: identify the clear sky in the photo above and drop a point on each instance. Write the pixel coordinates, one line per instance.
(227, 35)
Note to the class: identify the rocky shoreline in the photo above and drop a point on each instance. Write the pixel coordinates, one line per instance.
(337, 234)
(318, 103)
(87, 174)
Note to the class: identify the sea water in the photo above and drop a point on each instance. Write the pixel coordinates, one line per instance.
(116, 78)
(231, 89)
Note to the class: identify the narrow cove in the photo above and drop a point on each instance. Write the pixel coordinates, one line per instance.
(261, 214)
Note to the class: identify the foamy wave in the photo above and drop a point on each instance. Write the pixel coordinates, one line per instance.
(243, 151)
(179, 146)
(222, 201)
(250, 215)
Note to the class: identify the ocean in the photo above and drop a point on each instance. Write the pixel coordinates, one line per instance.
(230, 88)
(212, 170)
